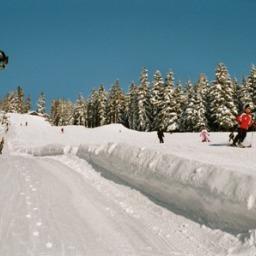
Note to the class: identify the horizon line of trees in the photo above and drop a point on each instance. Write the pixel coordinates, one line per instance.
(159, 104)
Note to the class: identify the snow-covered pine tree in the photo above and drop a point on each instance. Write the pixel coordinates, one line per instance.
(187, 116)
(92, 109)
(116, 104)
(27, 104)
(222, 106)
(133, 106)
(54, 115)
(180, 97)
(65, 110)
(202, 101)
(20, 95)
(12, 102)
(41, 104)
(251, 84)
(61, 112)
(80, 111)
(102, 106)
(202, 86)
(244, 95)
(157, 98)
(144, 105)
(167, 117)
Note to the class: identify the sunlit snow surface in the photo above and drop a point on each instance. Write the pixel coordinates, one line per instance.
(113, 191)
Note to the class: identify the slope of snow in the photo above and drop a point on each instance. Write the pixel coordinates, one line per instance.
(210, 194)
(212, 183)
(84, 213)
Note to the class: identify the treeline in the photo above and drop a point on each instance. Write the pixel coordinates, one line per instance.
(16, 101)
(156, 104)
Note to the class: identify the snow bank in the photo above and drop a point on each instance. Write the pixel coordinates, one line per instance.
(213, 195)
(48, 150)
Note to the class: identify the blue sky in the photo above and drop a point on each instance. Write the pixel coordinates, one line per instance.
(64, 47)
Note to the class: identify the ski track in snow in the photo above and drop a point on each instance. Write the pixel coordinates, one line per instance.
(60, 206)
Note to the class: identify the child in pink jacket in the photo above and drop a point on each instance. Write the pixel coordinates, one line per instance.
(204, 134)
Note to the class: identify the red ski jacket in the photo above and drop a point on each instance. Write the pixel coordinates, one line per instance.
(244, 120)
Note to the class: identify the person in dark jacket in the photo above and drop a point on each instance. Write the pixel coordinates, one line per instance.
(160, 135)
(1, 145)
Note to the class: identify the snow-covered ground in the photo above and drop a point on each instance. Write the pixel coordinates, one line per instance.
(113, 191)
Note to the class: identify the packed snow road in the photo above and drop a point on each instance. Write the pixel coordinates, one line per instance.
(48, 208)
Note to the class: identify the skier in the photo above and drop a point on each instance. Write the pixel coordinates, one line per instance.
(245, 121)
(160, 135)
(26, 123)
(1, 145)
(204, 134)
(62, 130)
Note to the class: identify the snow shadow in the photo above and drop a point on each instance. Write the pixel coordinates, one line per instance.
(162, 203)
(205, 193)
(219, 144)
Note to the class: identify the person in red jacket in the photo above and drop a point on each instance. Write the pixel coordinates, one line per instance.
(244, 121)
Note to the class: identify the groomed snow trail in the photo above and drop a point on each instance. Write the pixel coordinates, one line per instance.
(48, 208)
(61, 206)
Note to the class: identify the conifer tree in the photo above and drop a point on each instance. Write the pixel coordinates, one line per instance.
(41, 104)
(157, 98)
(133, 106)
(102, 106)
(13, 102)
(251, 85)
(20, 99)
(167, 117)
(144, 105)
(27, 104)
(92, 110)
(116, 104)
(180, 97)
(187, 116)
(222, 107)
(54, 115)
(244, 95)
(80, 111)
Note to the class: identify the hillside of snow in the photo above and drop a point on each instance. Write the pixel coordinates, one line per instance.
(209, 183)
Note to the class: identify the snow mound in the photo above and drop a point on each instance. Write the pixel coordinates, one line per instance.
(212, 195)
(48, 150)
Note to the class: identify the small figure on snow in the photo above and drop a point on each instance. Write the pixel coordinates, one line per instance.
(245, 121)
(160, 135)
(204, 134)
(1, 145)
(62, 130)
(26, 123)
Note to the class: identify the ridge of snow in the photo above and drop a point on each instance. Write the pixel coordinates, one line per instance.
(219, 197)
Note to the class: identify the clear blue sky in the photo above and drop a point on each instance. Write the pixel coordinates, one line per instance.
(64, 47)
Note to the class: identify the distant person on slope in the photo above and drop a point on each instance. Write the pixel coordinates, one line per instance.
(1, 145)
(204, 134)
(160, 135)
(245, 121)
